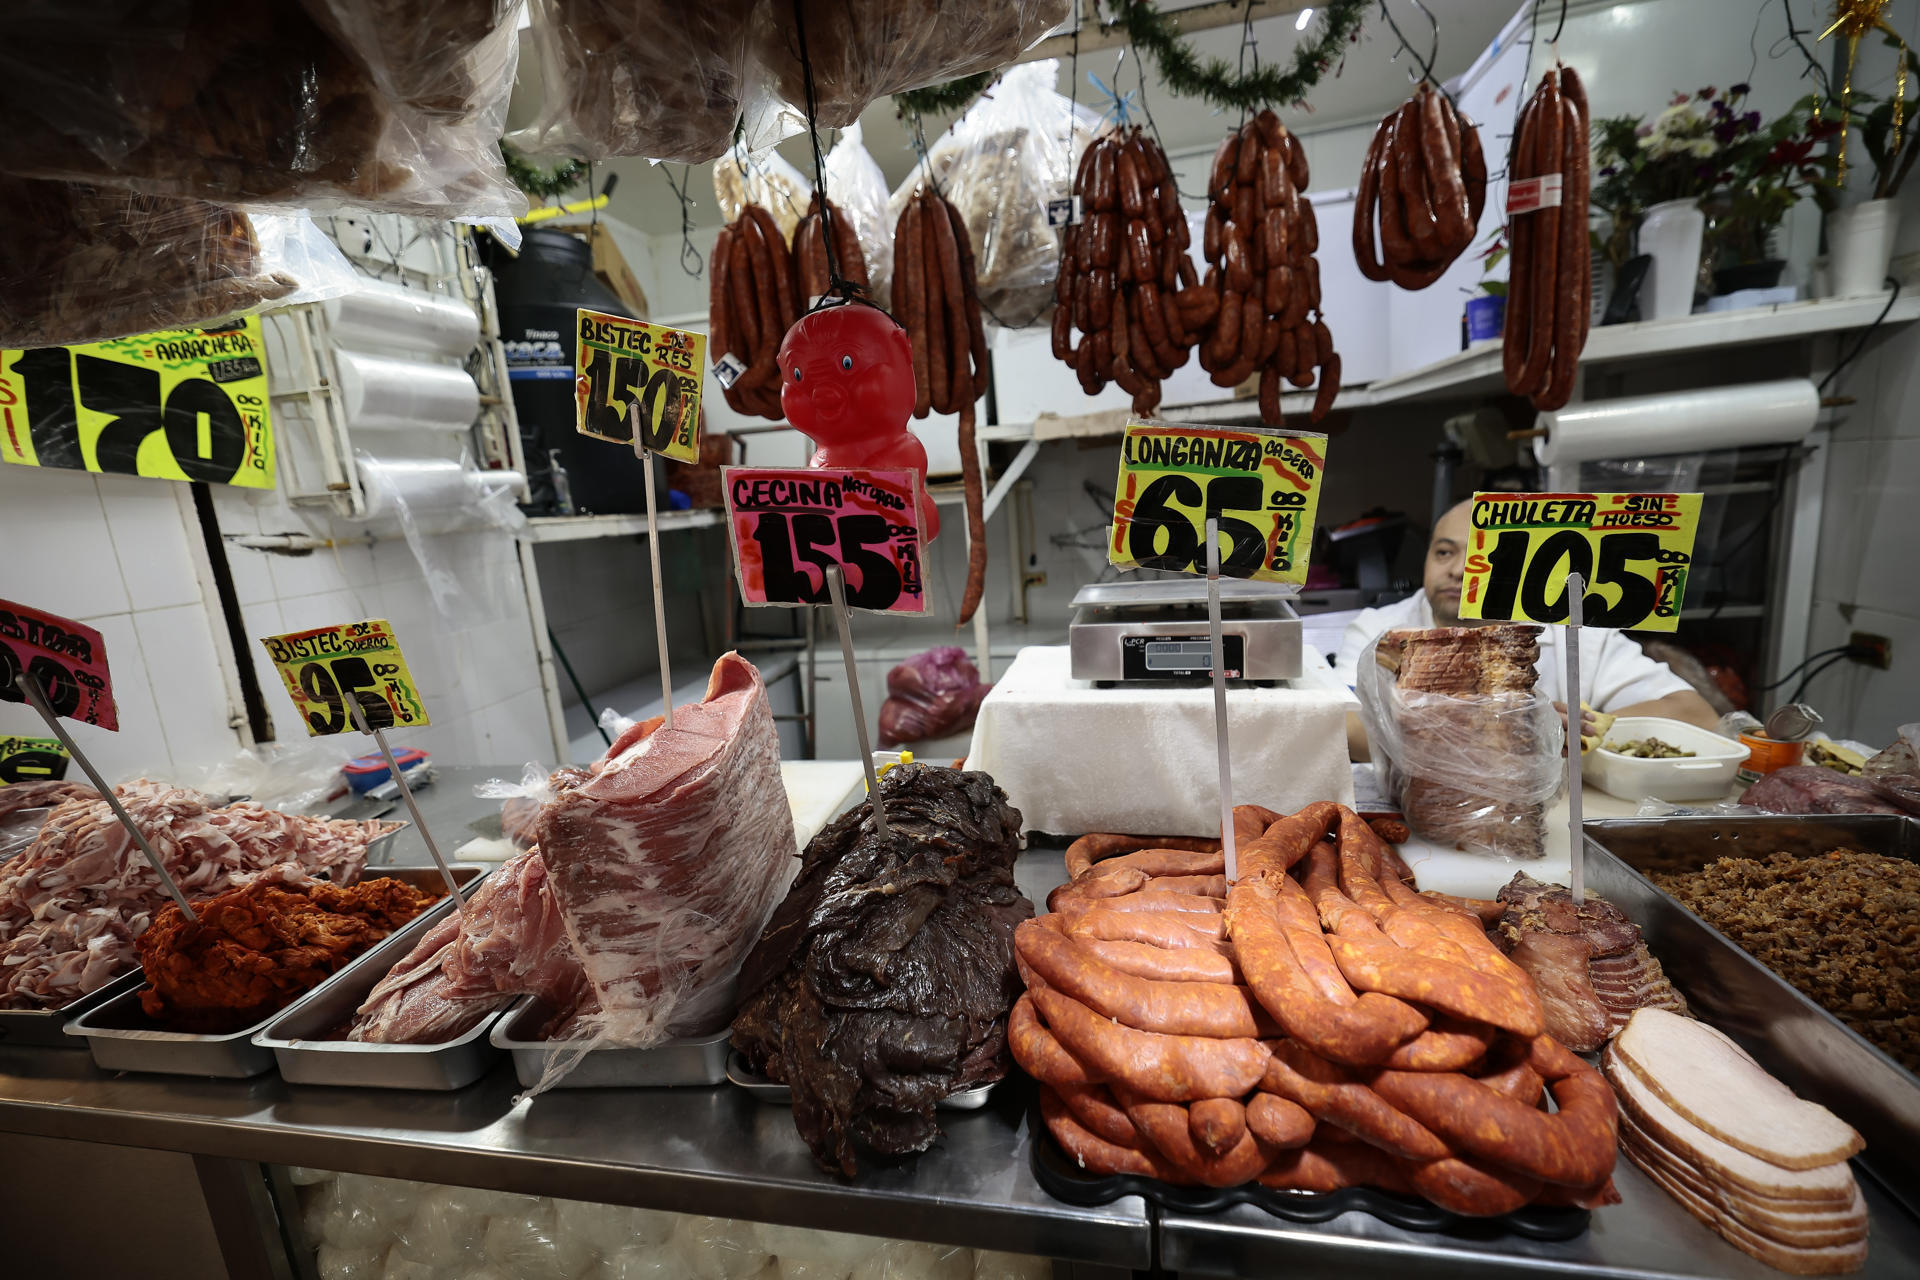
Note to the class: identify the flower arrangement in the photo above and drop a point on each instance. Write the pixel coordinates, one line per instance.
(1707, 146)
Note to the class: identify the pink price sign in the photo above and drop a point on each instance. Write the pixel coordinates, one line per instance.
(788, 526)
(68, 662)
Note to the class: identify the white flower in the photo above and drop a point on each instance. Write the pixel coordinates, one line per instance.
(1704, 148)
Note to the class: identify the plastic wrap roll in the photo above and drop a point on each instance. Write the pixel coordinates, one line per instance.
(1756, 413)
(379, 393)
(379, 317)
(432, 490)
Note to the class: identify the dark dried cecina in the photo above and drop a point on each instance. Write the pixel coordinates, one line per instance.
(882, 984)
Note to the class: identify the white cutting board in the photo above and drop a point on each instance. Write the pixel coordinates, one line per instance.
(817, 791)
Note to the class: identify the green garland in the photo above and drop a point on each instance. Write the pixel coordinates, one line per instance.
(935, 98)
(1216, 81)
(544, 184)
(1185, 74)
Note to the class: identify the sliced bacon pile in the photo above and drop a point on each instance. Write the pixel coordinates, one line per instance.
(1317, 1025)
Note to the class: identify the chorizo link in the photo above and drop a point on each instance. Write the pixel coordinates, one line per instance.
(1161, 1068)
(1167, 1129)
(1366, 207)
(1039, 1053)
(1449, 195)
(1412, 178)
(1546, 244)
(910, 263)
(1329, 1093)
(1217, 1125)
(954, 287)
(1094, 1153)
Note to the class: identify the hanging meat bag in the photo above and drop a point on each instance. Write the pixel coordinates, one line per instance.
(451, 59)
(639, 78)
(86, 264)
(865, 49)
(858, 189)
(235, 104)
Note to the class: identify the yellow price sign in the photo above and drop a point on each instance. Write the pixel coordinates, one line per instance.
(32, 760)
(181, 404)
(619, 362)
(1263, 486)
(1633, 551)
(324, 667)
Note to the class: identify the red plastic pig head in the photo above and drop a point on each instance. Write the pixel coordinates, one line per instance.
(846, 375)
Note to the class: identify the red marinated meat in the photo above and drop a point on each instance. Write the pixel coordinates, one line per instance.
(509, 943)
(667, 862)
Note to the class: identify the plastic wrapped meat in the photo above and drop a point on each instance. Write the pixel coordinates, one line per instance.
(668, 861)
(510, 942)
(931, 695)
(71, 906)
(883, 982)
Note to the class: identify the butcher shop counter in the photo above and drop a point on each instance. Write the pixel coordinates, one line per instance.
(717, 1151)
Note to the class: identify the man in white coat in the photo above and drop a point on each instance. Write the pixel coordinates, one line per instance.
(1615, 676)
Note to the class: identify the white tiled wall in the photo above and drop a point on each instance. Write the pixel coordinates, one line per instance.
(117, 553)
(1870, 531)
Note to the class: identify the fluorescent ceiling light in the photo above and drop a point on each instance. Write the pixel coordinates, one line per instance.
(1300, 23)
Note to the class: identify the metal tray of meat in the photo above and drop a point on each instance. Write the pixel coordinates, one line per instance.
(742, 1076)
(694, 1060)
(48, 1027)
(301, 1037)
(1809, 1049)
(123, 1038)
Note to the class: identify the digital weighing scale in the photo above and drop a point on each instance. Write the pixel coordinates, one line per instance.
(1156, 629)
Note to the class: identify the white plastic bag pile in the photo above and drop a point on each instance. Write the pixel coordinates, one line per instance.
(385, 1229)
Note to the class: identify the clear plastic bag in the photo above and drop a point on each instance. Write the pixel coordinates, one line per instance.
(741, 178)
(990, 1265)
(389, 1202)
(522, 1243)
(252, 104)
(1013, 150)
(335, 1262)
(823, 1253)
(865, 49)
(1894, 774)
(452, 58)
(85, 263)
(911, 1260)
(520, 801)
(639, 78)
(931, 695)
(19, 829)
(858, 188)
(718, 1248)
(445, 1230)
(399, 1268)
(612, 1228)
(646, 1262)
(1471, 772)
(294, 776)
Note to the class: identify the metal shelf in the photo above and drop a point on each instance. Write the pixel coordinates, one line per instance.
(575, 528)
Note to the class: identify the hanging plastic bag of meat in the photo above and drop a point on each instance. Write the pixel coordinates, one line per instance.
(235, 104)
(858, 188)
(883, 982)
(639, 78)
(931, 695)
(866, 49)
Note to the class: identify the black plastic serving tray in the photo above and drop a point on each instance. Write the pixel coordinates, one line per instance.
(1064, 1180)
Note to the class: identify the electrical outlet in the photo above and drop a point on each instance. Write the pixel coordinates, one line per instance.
(1882, 656)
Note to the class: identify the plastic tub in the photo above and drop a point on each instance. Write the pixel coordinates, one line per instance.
(1705, 775)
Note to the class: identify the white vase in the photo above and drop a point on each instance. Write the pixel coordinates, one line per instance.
(1859, 246)
(1670, 232)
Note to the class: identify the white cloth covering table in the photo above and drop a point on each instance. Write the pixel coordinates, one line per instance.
(1140, 759)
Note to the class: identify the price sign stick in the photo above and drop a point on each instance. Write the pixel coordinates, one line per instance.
(1576, 600)
(1220, 693)
(653, 554)
(838, 590)
(406, 793)
(31, 684)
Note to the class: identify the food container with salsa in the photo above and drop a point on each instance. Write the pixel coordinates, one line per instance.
(1681, 761)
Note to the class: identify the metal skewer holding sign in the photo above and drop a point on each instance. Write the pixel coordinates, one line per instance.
(829, 536)
(1618, 560)
(59, 668)
(654, 371)
(354, 675)
(1181, 488)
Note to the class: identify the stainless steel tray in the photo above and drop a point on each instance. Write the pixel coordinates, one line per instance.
(1808, 1048)
(296, 1036)
(769, 1091)
(123, 1038)
(49, 1026)
(696, 1060)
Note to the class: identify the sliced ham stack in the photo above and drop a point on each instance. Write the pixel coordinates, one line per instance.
(1765, 1169)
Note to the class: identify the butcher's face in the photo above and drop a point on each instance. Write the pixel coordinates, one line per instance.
(1446, 552)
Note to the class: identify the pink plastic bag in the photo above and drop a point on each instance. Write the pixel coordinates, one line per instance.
(931, 695)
